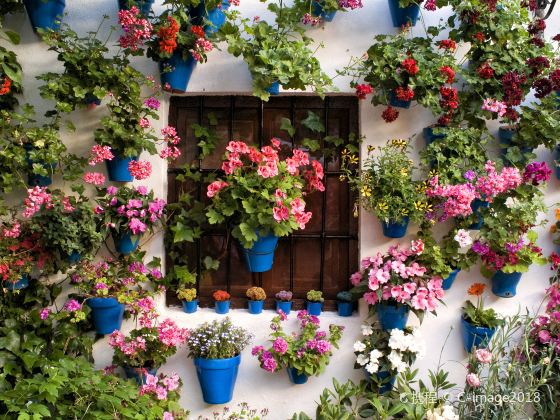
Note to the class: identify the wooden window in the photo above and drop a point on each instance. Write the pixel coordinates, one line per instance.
(322, 256)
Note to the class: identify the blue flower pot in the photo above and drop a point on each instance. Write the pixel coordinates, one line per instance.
(557, 159)
(475, 206)
(92, 101)
(285, 307)
(397, 103)
(261, 256)
(217, 18)
(176, 71)
(403, 15)
(381, 377)
(117, 168)
(505, 284)
(295, 377)
(18, 285)
(217, 378)
(45, 14)
(392, 316)
(475, 337)
(255, 306)
(222, 307)
(394, 229)
(139, 374)
(144, 5)
(429, 135)
(345, 308)
(35, 180)
(74, 257)
(319, 11)
(274, 88)
(314, 308)
(190, 307)
(125, 242)
(107, 314)
(448, 281)
(505, 135)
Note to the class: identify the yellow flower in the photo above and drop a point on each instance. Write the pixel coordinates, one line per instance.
(366, 191)
(404, 212)
(370, 148)
(404, 172)
(345, 154)
(382, 205)
(557, 214)
(401, 143)
(353, 159)
(432, 173)
(342, 177)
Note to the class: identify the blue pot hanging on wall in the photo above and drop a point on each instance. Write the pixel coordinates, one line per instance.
(392, 316)
(22, 283)
(217, 378)
(475, 337)
(215, 18)
(396, 102)
(255, 306)
(430, 136)
(402, 16)
(190, 307)
(557, 162)
(393, 229)
(107, 314)
(319, 11)
(450, 279)
(261, 256)
(117, 167)
(505, 284)
(176, 71)
(274, 88)
(139, 374)
(295, 377)
(45, 14)
(476, 205)
(284, 306)
(125, 242)
(74, 257)
(143, 5)
(384, 377)
(35, 180)
(222, 307)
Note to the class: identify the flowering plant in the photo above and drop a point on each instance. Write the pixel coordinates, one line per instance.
(147, 347)
(387, 351)
(398, 278)
(307, 11)
(187, 295)
(315, 296)
(385, 185)
(221, 296)
(256, 293)
(217, 340)
(476, 314)
(261, 193)
(17, 252)
(165, 388)
(128, 209)
(456, 248)
(308, 351)
(11, 74)
(284, 296)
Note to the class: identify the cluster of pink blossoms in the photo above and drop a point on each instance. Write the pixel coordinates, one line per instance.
(94, 178)
(397, 277)
(495, 183)
(170, 137)
(128, 347)
(100, 154)
(308, 19)
(455, 199)
(36, 198)
(160, 386)
(136, 29)
(12, 232)
(281, 212)
(201, 46)
(495, 106)
(215, 187)
(170, 334)
(350, 4)
(140, 169)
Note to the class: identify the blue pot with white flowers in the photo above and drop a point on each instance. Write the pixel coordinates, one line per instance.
(217, 378)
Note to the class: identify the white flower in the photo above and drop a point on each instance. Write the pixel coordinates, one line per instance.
(367, 330)
(359, 346)
(448, 413)
(397, 340)
(374, 355)
(362, 359)
(372, 367)
(463, 238)
(546, 360)
(396, 361)
(511, 202)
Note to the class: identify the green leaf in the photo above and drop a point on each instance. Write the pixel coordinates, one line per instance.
(210, 263)
(287, 126)
(313, 122)
(13, 37)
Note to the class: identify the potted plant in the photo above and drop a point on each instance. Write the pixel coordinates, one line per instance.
(284, 301)
(256, 296)
(127, 213)
(457, 253)
(17, 255)
(188, 297)
(45, 14)
(216, 349)
(209, 13)
(478, 324)
(314, 302)
(303, 354)
(145, 6)
(316, 11)
(10, 75)
(404, 12)
(143, 350)
(262, 197)
(384, 354)
(345, 302)
(385, 187)
(221, 301)
(108, 285)
(395, 283)
(277, 55)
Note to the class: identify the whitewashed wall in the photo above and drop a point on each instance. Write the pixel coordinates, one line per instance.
(349, 34)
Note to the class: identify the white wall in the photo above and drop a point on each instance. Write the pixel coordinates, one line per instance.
(349, 34)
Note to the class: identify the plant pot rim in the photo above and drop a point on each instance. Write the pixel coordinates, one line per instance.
(463, 319)
(102, 301)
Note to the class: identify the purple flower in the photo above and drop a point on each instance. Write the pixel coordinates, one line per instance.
(469, 175)
(282, 314)
(544, 336)
(44, 314)
(152, 103)
(142, 190)
(269, 365)
(111, 190)
(322, 346)
(156, 273)
(257, 350)
(138, 267)
(72, 305)
(480, 248)
(134, 203)
(280, 345)
(537, 172)
(136, 226)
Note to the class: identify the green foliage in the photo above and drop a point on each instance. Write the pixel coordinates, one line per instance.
(344, 296)
(217, 340)
(187, 295)
(539, 124)
(480, 317)
(306, 6)
(315, 296)
(9, 69)
(10, 6)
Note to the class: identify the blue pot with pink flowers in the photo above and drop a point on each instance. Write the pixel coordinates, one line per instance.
(284, 306)
(117, 168)
(392, 315)
(319, 11)
(260, 257)
(176, 71)
(450, 279)
(126, 242)
(505, 284)
(296, 377)
(143, 5)
(107, 314)
(139, 374)
(476, 205)
(403, 16)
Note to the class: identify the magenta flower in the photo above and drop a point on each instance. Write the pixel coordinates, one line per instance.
(136, 226)
(44, 314)
(72, 305)
(280, 345)
(152, 103)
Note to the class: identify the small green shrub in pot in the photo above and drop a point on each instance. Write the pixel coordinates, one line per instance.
(187, 295)
(315, 296)
(344, 296)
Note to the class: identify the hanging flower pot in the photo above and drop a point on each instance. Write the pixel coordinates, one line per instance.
(392, 229)
(107, 314)
(475, 206)
(505, 284)
(139, 374)
(217, 378)
(557, 161)
(91, 101)
(190, 307)
(345, 308)
(74, 257)
(125, 242)
(285, 307)
(429, 135)
(18, 285)
(35, 180)
(319, 11)
(117, 167)
(222, 307)
(216, 17)
(176, 71)
(475, 337)
(255, 306)
(295, 377)
(144, 5)
(403, 15)
(392, 316)
(274, 88)
(45, 14)
(381, 377)
(398, 103)
(448, 281)
(314, 308)
(261, 256)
